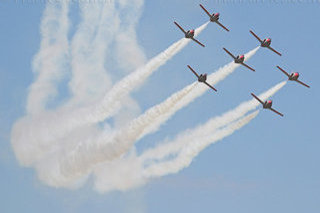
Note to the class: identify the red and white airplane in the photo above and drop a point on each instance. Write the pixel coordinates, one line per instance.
(214, 17)
(293, 77)
(188, 34)
(202, 78)
(267, 104)
(265, 42)
(239, 59)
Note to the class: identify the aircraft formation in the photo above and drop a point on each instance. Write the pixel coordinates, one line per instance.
(214, 17)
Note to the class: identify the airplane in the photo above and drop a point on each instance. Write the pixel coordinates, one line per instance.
(188, 34)
(239, 59)
(267, 104)
(265, 42)
(202, 78)
(214, 17)
(293, 77)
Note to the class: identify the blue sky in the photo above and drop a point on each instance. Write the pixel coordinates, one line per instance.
(269, 165)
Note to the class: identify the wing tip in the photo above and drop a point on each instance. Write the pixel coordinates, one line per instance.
(280, 68)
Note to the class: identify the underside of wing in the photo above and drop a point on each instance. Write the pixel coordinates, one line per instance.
(274, 50)
(210, 86)
(257, 37)
(282, 70)
(205, 10)
(256, 97)
(180, 27)
(300, 82)
(229, 53)
(198, 42)
(276, 112)
(221, 25)
(248, 67)
(194, 72)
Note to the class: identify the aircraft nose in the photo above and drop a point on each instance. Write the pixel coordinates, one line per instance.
(217, 14)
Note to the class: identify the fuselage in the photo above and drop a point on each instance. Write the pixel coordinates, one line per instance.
(267, 104)
(189, 34)
(239, 59)
(215, 17)
(294, 76)
(202, 77)
(266, 42)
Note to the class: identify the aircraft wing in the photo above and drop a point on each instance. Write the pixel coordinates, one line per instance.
(210, 86)
(180, 28)
(282, 70)
(198, 42)
(194, 72)
(229, 53)
(276, 112)
(274, 50)
(300, 82)
(205, 10)
(257, 37)
(221, 25)
(257, 98)
(250, 68)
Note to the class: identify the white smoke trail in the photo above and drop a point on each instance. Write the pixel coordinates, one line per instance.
(89, 80)
(112, 101)
(45, 131)
(213, 78)
(120, 174)
(166, 149)
(50, 61)
(186, 146)
(130, 171)
(194, 147)
(150, 123)
(128, 55)
(33, 136)
(70, 164)
(127, 48)
(110, 146)
(44, 141)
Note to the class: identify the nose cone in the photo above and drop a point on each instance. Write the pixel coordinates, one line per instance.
(296, 74)
(269, 102)
(191, 31)
(217, 14)
(242, 56)
(269, 40)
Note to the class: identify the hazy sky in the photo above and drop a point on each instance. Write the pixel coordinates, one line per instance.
(269, 165)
